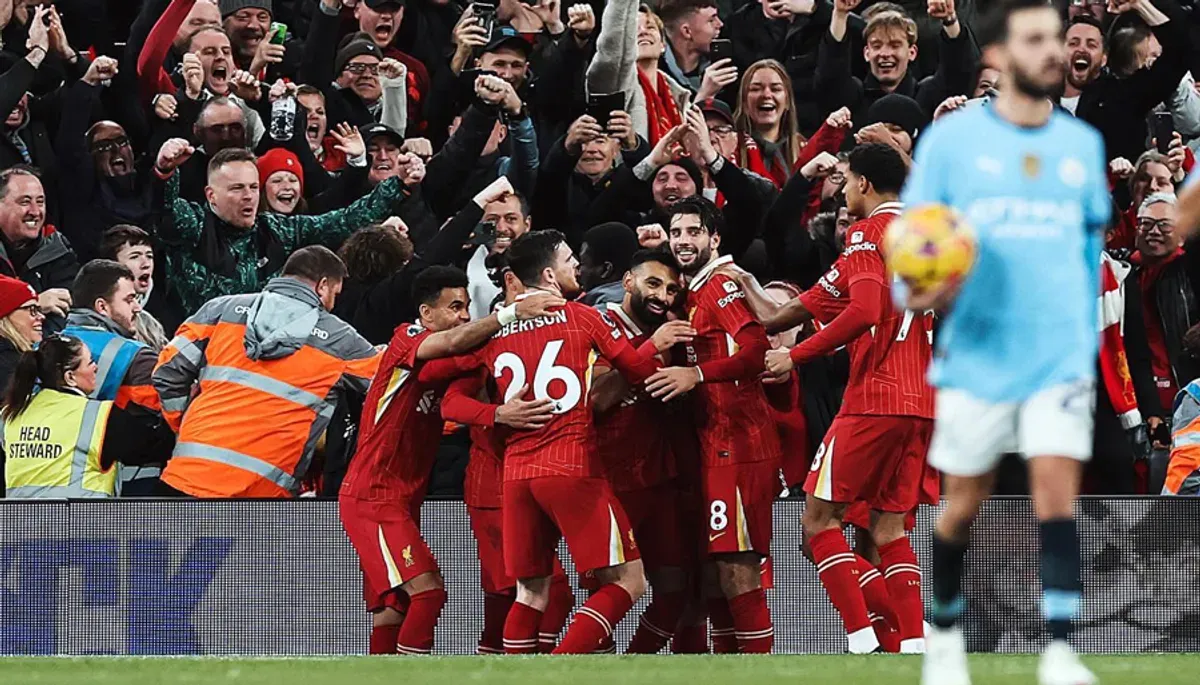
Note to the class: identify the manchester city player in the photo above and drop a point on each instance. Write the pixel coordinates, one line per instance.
(1015, 361)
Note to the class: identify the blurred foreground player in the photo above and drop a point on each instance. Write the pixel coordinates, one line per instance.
(401, 427)
(1016, 359)
(875, 449)
(739, 442)
(554, 485)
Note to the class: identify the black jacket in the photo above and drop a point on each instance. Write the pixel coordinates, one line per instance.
(52, 264)
(1118, 107)
(1178, 309)
(97, 202)
(837, 87)
(374, 310)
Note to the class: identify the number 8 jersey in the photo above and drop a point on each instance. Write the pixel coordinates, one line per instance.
(553, 357)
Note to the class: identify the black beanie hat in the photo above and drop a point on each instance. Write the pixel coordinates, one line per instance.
(612, 242)
(691, 168)
(900, 110)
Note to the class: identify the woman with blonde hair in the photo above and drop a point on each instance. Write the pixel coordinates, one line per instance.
(765, 119)
(20, 324)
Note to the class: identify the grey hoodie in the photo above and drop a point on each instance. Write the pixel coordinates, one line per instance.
(281, 319)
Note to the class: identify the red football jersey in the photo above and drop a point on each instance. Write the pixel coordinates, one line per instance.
(553, 355)
(484, 478)
(733, 419)
(401, 423)
(888, 364)
(633, 435)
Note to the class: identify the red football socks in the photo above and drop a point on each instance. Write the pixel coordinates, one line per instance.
(416, 634)
(521, 629)
(562, 600)
(752, 622)
(495, 612)
(724, 641)
(838, 571)
(595, 620)
(903, 576)
(657, 624)
(691, 638)
(879, 605)
(383, 639)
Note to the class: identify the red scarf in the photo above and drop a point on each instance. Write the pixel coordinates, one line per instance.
(1114, 365)
(661, 110)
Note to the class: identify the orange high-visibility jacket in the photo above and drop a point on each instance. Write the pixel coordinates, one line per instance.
(1183, 471)
(249, 383)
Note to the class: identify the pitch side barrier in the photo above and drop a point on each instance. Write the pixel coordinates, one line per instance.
(279, 577)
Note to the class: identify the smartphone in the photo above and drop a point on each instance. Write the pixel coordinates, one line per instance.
(278, 32)
(600, 106)
(485, 14)
(485, 234)
(720, 49)
(1164, 131)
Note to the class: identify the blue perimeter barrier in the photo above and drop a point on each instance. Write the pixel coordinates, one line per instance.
(279, 577)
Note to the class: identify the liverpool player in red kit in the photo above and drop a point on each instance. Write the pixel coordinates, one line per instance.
(380, 499)
(739, 443)
(554, 485)
(468, 400)
(875, 449)
(635, 446)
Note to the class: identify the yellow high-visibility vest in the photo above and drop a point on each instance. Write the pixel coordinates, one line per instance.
(52, 449)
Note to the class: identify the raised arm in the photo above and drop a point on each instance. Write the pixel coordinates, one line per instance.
(158, 46)
(180, 363)
(467, 337)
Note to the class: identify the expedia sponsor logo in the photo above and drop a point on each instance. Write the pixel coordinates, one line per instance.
(827, 280)
(861, 247)
(724, 301)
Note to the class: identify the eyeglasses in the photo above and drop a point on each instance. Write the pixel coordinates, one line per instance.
(32, 310)
(234, 128)
(1164, 226)
(360, 69)
(111, 145)
(721, 130)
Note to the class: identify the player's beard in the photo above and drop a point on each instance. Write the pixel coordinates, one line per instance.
(640, 309)
(1028, 85)
(703, 257)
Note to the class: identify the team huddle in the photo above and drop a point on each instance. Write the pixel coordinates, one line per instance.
(640, 433)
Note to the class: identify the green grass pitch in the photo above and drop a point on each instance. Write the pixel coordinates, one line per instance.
(1156, 669)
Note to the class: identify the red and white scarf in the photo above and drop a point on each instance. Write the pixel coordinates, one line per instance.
(662, 112)
(1114, 365)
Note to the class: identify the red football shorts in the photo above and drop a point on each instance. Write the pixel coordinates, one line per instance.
(391, 551)
(488, 527)
(859, 514)
(877, 459)
(654, 516)
(737, 506)
(584, 511)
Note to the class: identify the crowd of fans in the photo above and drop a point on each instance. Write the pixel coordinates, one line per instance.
(158, 156)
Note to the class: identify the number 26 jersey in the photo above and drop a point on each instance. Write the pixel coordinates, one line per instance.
(553, 357)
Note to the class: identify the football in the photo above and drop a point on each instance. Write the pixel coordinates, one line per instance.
(928, 246)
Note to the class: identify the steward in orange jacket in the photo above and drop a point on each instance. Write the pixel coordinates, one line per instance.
(250, 382)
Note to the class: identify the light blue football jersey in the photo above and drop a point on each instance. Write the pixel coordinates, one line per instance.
(1026, 318)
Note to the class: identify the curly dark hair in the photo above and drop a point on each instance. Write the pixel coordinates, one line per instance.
(375, 252)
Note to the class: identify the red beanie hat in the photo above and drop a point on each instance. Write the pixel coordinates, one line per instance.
(13, 294)
(279, 159)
